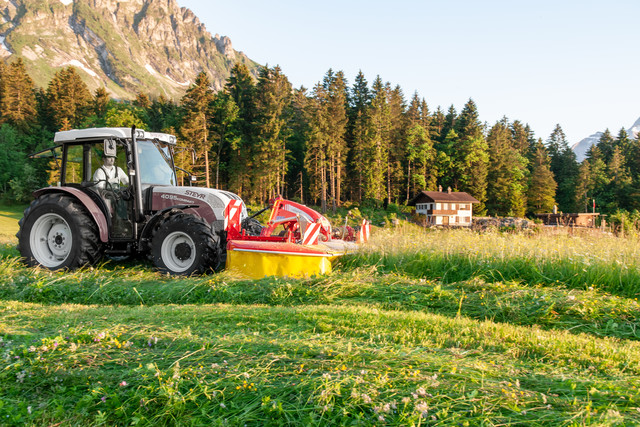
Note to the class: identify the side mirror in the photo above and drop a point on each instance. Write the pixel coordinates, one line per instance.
(109, 148)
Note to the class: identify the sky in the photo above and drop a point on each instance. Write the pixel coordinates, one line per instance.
(573, 63)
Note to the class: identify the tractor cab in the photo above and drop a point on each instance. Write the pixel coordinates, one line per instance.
(101, 162)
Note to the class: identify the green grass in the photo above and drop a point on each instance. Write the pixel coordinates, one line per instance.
(422, 328)
(9, 217)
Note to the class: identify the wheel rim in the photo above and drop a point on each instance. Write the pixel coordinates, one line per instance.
(178, 251)
(51, 240)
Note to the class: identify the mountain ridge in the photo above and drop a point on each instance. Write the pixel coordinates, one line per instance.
(581, 147)
(127, 46)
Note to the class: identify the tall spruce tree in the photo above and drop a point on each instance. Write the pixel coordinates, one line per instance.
(565, 169)
(18, 99)
(421, 170)
(224, 132)
(335, 108)
(472, 156)
(377, 143)
(196, 103)
(316, 154)
(270, 153)
(542, 186)
(359, 101)
(242, 89)
(507, 176)
(397, 144)
(101, 100)
(297, 143)
(68, 99)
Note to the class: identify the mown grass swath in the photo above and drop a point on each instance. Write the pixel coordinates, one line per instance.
(424, 328)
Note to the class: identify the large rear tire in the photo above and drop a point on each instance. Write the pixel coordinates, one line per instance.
(57, 232)
(184, 244)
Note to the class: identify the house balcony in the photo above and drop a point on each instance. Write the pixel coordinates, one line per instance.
(441, 212)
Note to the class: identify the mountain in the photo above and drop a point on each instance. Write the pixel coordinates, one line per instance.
(580, 148)
(127, 46)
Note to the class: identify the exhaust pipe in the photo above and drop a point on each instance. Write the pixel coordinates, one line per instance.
(136, 177)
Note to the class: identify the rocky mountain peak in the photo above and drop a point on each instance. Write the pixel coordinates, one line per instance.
(129, 46)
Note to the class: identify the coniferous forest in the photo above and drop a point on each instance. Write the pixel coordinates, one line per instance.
(363, 143)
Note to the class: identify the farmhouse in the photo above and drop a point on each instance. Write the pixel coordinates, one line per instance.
(452, 208)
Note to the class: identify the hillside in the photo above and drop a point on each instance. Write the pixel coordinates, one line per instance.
(151, 46)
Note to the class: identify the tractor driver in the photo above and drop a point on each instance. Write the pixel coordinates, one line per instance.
(110, 173)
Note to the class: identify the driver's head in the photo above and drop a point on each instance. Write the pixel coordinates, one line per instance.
(109, 160)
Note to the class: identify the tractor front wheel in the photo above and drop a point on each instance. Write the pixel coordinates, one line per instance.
(184, 244)
(57, 232)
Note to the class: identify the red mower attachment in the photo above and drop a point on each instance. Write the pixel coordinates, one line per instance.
(297, 241)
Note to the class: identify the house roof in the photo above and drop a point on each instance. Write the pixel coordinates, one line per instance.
(441, 196)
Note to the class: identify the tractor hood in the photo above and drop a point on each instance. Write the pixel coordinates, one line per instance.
(210, 202)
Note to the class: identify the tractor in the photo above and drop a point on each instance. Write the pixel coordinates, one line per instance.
(118, 195)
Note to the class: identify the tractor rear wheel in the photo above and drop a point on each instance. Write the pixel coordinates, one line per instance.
(184, 244)
(56, 232)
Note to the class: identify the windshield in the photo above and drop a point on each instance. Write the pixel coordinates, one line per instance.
(156, 167)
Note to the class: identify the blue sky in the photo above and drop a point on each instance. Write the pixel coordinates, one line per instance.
(574, 63)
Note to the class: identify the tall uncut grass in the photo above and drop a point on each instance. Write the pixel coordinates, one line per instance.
(579, 259)
(445, 327)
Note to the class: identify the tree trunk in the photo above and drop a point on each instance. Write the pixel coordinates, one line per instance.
(338, 180)
(408, 179)
(206, 167)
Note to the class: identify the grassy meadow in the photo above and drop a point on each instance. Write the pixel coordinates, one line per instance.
(444, 327)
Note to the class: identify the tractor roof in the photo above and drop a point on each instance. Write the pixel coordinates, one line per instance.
(101, 133)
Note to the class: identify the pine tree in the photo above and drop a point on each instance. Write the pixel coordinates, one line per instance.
(101, 100)
(620, 183)
(507, 176)
(564, 167)
(606, 144)
(223, 125)
(420, 157)
(397, 144)
(377, 144)
(336, 103)
(297, 143)
(142, 100)
(272, 108)
(437, 126)
(471, 158)
(18, 100)
(242, 89)
(316, 154)
(592, 180)
(197, 116)
(542, 186)
(359, 101)
(164, 115)
(421, 169)
(623, 142)
(68, 99)
(522, 138)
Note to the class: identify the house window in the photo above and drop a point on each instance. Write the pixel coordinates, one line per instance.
(445, 206)
(453, 207)
(438, 206)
